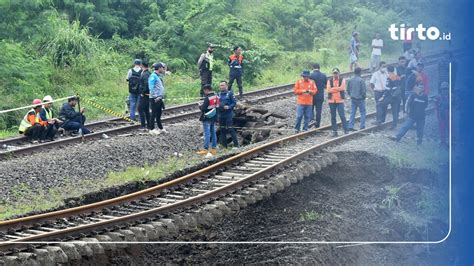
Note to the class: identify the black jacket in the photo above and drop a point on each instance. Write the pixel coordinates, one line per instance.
(402, 70)
(416, 105)
(320, 79)
(144, 89)
(205, 107)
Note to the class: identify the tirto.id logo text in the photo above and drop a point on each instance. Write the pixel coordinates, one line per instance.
(405, 33)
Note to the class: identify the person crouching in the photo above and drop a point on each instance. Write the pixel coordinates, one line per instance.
(33, 127)
(209, 118)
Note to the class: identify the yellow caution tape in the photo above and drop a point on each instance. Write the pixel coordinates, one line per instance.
(107, 110)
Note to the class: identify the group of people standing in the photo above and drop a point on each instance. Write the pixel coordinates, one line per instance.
(402, 87)
(146, 92)
(235, 63)
(217, 108)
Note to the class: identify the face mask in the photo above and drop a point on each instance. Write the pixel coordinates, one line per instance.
(383, 69)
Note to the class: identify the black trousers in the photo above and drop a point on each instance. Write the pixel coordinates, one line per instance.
(51, 131)
(236, 76)
(206, 78)
(156, 111)
(35, 132)
(226, 125)
(378, 107)
(317, 110)
(38, 132)
(394, 103)
(144, 111)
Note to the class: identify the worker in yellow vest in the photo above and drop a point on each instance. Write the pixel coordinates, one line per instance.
(33, 127)
(46, 114)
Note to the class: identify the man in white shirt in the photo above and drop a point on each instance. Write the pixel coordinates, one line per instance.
(377, 45)
(378, 83)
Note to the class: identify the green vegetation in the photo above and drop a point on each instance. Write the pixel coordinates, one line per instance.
(63, 47)
(147, 172)
(25, 199)
(310, 216)
(391, 199)
(423, 157)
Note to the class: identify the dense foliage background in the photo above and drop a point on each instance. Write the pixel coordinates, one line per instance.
(60, 47)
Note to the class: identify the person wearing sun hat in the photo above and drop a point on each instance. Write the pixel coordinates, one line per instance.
(304, 90)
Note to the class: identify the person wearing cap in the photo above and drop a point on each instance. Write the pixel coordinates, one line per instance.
(205, 65)
(133, 79)
(442, 112)
(357, 90)
(46, 114)
(73, 121)
(378, 83)
(320, 79)
(354, 50)
(235, 63)
(336, 87)
(144, 106)
(304, 90)
(33, 127)
(416, 105)
(208, 118)
(157, 92)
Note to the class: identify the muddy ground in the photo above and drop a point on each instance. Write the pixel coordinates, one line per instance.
(345, 202)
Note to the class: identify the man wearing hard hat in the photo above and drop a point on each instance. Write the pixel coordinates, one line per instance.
(33, 127)
(46, 114)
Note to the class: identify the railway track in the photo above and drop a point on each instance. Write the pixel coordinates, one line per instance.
(193, 199)
(12, 147)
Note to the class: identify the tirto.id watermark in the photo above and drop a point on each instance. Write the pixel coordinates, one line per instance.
(405, 33)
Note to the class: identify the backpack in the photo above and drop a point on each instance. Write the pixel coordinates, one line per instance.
(134, 82)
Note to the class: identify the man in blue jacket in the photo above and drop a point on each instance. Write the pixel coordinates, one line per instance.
(73, 120)
(157, 93)
(226, 114)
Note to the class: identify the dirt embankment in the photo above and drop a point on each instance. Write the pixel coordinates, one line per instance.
(363, 197)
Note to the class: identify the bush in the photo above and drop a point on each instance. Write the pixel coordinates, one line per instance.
(69, 42)
(24, 77)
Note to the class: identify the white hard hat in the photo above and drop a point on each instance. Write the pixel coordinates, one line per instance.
(47, 98)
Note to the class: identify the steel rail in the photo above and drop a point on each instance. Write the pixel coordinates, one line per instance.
(179, 205)
(26, 222)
